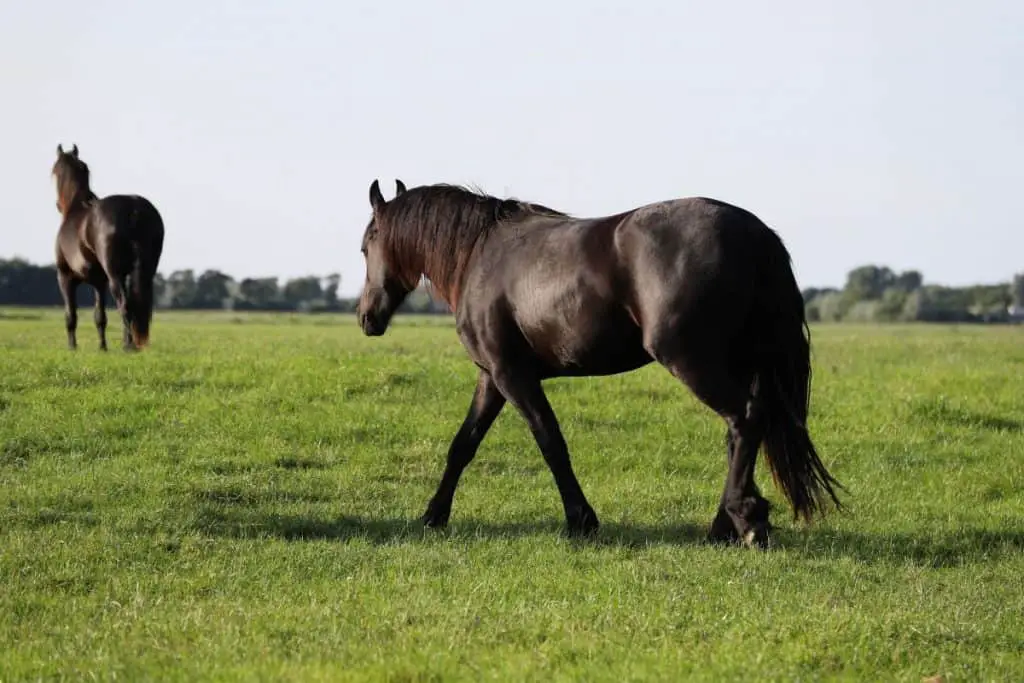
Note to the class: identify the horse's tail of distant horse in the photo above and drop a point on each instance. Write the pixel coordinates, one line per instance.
(784, 384)
(145, 254)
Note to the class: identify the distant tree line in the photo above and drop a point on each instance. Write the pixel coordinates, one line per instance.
(26, 284)
(871, 294)
(878, 294)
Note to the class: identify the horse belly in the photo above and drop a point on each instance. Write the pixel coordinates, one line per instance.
(606, 346)
(584, 336)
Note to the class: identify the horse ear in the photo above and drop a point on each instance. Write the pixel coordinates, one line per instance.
(376, 198)
(60, 149)
(399, 187)
(74, 151)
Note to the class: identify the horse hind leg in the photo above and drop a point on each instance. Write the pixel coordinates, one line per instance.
(100, 318)
(727, 386)
(742, 507)
(119, 292)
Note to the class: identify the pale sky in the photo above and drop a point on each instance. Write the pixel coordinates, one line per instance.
(864, 132)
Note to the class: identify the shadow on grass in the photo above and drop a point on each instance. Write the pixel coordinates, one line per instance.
(934, 549)
(235, 523)
(940, 412)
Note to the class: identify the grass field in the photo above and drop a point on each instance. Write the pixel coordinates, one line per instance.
(239, 502)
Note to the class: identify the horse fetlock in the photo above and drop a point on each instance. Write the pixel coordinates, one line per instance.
(436, 516)
(758, 536)
(581, 520)
(749, 510)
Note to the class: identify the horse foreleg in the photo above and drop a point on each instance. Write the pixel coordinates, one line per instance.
(68, 290)
(527, 395)
(99, 316)
(483, 410)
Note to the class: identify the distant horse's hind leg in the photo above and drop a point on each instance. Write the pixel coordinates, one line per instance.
(117, 291)
(527, 395)
(99, 316)
(68, 291)
(487, 404)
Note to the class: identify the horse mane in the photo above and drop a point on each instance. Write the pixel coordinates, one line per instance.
(431, 231)
(72, 176)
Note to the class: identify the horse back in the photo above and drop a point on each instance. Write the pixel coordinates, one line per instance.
(109, 234)
(129, 217)
(553, 288)
(590, 293)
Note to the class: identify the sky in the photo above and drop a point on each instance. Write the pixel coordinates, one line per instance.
(863, 132)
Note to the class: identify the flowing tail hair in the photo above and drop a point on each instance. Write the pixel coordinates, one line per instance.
(784, 377)
(140, 297)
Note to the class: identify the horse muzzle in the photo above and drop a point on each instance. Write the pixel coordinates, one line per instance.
(372, 325)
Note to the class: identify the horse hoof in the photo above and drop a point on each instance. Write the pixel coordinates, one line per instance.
(722, 530)
(758, 537)
(582, 522)
(435, 520)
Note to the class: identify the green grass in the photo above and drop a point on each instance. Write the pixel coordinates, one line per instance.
(238, 502)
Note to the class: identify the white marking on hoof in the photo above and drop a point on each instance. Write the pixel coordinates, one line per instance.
(757, 538)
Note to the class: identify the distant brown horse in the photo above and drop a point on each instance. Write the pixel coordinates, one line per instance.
(112, 242)
(698, 285)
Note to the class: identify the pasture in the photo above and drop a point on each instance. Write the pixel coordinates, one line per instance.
(239, 501)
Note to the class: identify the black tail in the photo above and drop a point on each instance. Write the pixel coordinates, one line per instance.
(140, 297)
(785, 385)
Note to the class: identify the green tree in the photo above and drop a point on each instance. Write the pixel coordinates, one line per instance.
(891, 305)
(304, 292)
(213, 290)
(909, 281)
(868, 283)
(260, 293)
(330, 287)
(1017, 292)
(181, 289)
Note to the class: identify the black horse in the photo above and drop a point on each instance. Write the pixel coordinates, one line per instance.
(702, 287)
(112, 242)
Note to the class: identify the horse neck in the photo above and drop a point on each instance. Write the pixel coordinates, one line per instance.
(448, 271)
(79, 200)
